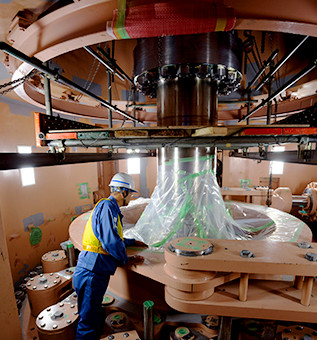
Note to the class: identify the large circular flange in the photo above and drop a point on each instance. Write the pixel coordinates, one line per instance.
(191, 246)
(54, 256)
(71, 299)
(57, 317)
(298, 332)
(228, 79)
(43, 282)
(216, 56)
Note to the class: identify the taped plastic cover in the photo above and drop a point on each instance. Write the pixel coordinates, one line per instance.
(190, 204)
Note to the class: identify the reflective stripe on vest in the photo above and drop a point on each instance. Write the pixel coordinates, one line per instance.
(90, 241)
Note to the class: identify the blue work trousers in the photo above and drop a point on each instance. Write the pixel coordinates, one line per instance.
(90, 289)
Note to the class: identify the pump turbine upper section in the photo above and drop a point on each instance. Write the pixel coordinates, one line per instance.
(212, 56)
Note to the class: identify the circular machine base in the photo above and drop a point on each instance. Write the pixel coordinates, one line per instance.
(146, 281)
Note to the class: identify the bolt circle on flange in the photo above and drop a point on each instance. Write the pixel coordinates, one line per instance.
(191, 246)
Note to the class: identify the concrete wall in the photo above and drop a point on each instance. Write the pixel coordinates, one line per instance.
(295, 176)
(48, 205)
(9, 319)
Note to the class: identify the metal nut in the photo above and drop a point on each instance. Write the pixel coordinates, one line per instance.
(246, 253)
(311, 257)
(304, 245)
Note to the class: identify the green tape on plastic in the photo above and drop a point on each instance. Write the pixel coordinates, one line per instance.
(193, 176)
(200, 230)
(35, 236)
(259, 228)
(186, 208)
(298, 231)
(228, 209)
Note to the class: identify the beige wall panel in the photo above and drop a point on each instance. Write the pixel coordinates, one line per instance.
(55, 195)
(9, 319)
(15, 129)
(151, 173)
(295, 176)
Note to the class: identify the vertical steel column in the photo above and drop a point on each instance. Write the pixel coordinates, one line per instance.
(148, 320)
(133, 96)
(269, 104)
(48, 95)
(249, 105)
(109, 85)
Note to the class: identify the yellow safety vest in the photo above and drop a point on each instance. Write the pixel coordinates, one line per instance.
(90, 241)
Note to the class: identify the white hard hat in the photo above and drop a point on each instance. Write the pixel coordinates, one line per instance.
(123, 180)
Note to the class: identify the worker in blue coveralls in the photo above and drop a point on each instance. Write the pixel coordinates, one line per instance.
(104, 248)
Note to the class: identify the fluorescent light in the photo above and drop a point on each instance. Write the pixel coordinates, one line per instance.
(133, 166)
(277, 166)
(24, 149)
(27, 174)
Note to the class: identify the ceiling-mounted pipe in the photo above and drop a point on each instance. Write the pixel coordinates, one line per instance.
(10, 161)
(226, 143)
(38, 64)
(288, 84)
(108, 67)
(48, 96)
(115, 65)
(109, 85)
(263, 68)
(280, 64)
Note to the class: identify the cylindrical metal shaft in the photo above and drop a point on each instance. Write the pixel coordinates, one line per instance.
(298, 200)
(148, 320)
(187, 101)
